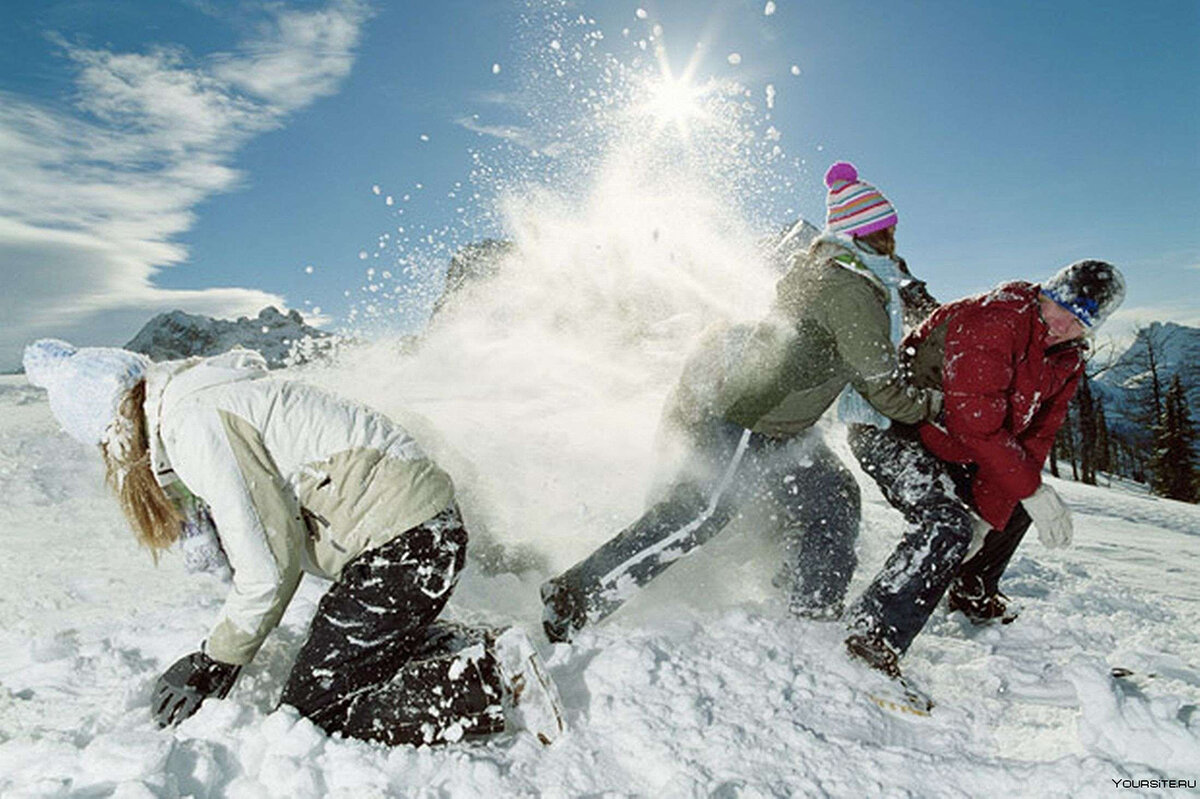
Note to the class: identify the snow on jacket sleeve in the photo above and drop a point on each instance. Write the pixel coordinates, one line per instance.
(860, 325)
(977, 380)
(221, 458)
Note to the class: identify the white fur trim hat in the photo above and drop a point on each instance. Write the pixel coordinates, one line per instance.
(85, 385)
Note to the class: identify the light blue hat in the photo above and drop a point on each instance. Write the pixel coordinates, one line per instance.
(85, 385)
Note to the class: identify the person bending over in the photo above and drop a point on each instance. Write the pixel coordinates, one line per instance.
(289, 478)
(1008, 363)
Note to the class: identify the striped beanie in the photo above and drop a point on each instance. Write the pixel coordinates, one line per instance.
(852, 206)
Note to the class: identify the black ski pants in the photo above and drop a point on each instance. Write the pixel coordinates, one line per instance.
(815, 498)
(376, 664)
(934, 497)
(980, 575)
(898, 602)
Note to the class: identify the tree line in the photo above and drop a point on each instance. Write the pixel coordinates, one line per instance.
(1152, 440)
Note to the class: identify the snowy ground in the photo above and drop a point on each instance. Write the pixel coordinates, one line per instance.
(695, 689)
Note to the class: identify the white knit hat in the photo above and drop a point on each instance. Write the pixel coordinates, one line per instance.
(85, 385)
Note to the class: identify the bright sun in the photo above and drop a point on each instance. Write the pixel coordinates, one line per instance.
(672, 100)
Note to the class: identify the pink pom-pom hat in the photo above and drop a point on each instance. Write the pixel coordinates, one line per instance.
(853, 206)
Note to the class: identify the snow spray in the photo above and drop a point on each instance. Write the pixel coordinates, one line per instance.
(634, 223)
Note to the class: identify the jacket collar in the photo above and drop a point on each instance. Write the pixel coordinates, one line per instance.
(169, 382)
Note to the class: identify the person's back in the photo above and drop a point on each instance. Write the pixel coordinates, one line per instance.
(1004, 384)
(829, 327)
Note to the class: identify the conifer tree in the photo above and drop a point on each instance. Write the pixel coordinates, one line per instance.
(1173, 464)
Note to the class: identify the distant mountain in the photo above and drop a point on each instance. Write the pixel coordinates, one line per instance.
(283, 339)
(474, 263)
(780, 248)
(1177, 351)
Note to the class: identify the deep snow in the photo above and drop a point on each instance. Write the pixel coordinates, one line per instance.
(700, 687)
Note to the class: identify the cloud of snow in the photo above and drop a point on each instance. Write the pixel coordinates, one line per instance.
(94, 196)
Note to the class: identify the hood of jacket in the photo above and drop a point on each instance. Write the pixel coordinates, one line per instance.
(169, 382)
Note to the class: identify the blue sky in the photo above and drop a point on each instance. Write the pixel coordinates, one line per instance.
(201, 154)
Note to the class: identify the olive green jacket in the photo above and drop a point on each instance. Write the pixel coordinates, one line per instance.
(829, 327)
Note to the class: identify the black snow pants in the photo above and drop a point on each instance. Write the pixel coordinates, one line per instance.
(903, 595)
(935, 498)
(980, 575)
(815, 498)
(377, 666)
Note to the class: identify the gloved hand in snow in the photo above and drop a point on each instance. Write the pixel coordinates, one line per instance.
(1050, 517)
(190, 680)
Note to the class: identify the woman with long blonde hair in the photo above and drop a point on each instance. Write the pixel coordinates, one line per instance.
(291, 479)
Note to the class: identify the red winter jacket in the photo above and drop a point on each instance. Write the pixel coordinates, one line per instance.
(1006, 394)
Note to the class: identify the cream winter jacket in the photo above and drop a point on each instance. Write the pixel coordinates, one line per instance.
(296, 479)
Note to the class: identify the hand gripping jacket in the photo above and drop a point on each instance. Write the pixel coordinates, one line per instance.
(296, 479)
(1006, 393)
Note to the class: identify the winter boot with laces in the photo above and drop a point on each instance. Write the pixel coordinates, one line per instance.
(874, 652)
(897, 693)
(563, 612)
(980, 606)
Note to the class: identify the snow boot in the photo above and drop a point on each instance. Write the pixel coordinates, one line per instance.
(564, 613)
(896, 694)
(874, 652)
(531, 700)
(980, 606)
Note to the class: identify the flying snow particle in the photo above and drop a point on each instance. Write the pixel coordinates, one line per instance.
(770, 98)
(495, 69)
(375, 189)
(555, 44)
(316, 309)
(735, 58)
(266, 329)
(389, 200)
(768, 9)
(424, 137)
(362, 255)
(795, 69)
(308, 270)
(641, 13)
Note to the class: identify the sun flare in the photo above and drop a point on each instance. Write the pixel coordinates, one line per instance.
(675, 101)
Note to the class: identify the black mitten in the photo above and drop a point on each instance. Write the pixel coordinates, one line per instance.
(190, 680)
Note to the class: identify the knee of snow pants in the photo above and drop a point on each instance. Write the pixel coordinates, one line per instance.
(449, 688)
(371, 620)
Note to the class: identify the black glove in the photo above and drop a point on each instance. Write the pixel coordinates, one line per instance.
(190, 680)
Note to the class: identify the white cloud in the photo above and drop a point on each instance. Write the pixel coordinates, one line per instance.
(93, 197)
(517, 135)
(522, 137)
